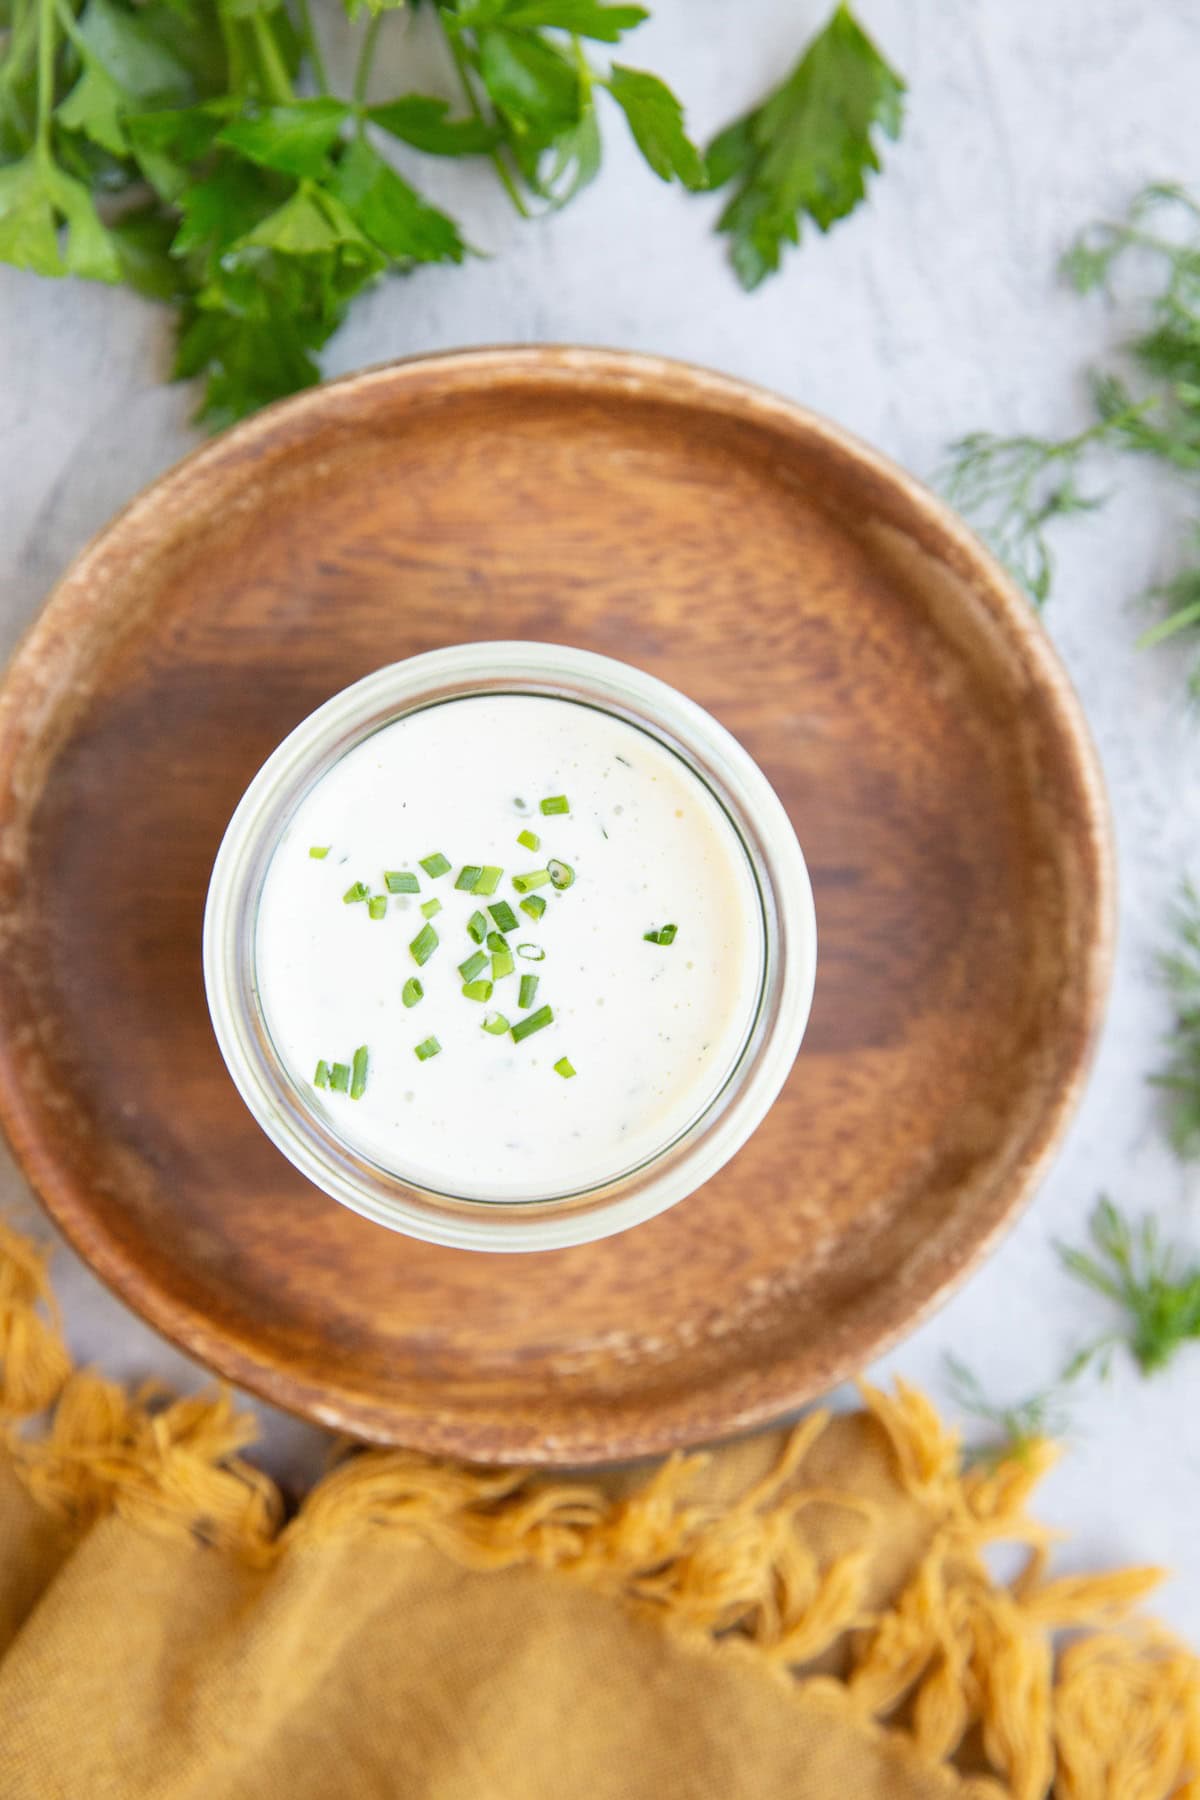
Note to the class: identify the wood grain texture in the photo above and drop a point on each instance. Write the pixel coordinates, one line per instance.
(893, 686)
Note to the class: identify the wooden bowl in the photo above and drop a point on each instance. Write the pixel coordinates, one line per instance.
(894, 686)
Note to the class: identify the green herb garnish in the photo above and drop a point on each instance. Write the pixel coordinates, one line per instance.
(502, 964)
(528, 840)
(665, 934)
(503, 914)
(489, 879)
(808, 149)
(430, 908)
(339, 1078)
(560, 873)
(535, 878)
(359, 1071)
(401, 881)
(1180, 1080)
(319, 852)
(555, 803)
(535, 906)
(473, 966)
(321, 1078)
(564, 1068)
(496, 1025)
(435, 865)
(359, 891)
(412, 991)
(426, 1048)
(468, 876)
(477, 927)
(424, 944)
(531, 952)
(377, 906)
(259, 209)
(526, 1027)
(496, 941)
(529, 988)
(477, 990)
(1140, 1275)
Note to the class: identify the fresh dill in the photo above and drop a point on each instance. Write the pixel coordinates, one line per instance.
(1016, 1429)
(1015, 489)
(1180, 1079)
(1134, 1269)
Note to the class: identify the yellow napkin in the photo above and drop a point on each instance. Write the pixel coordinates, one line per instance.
(803, 1616)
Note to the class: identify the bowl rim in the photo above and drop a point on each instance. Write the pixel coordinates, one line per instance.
(728, 1405)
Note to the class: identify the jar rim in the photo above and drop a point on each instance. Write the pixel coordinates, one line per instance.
(787, 962)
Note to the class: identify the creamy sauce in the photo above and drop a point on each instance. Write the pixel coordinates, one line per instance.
(652, 1030)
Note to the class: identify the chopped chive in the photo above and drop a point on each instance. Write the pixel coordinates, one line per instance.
(529, 840)
(319, 852)
(561, 873)
(536, 878)
(535, 906)
(529, 988)
(496, 941)
(495, 1024)
(358, 1073)
(401, 881)
(489, 879)
(424, 944)
(412, 991)
(477, 926)
(505, 917)
(426, 1048)
(564, 1068)
(502, 964)
(468, 875)
(377, 906)
(339, 1077)
(555, 803)
(525, 1027)
(477, 990)
(665, 935)
(321, 1078)
(473, 965)
(435, 865)
(531, 952)
(430, 908)
(359, 891)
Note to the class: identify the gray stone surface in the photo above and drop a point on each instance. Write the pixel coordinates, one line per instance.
(932, 312)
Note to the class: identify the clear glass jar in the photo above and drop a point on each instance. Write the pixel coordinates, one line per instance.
(788, 965)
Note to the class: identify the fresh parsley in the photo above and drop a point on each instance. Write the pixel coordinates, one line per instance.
(194, 149)
(807, 150)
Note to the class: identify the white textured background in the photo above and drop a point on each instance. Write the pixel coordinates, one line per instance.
(932, 312)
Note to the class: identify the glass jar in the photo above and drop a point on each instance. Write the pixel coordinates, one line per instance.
(280, 1103)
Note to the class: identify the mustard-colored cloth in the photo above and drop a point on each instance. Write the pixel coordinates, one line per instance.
(804, 1616)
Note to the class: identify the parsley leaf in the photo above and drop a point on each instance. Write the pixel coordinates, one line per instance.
(391, 213)
(295, 139)
(808, 149)
(422, 121)
(656, 121)
(1181, 972)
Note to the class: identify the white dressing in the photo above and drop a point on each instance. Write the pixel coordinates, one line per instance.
(652, 1030)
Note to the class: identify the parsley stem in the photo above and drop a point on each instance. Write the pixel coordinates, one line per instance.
(45, 73)
(366, 56)
(312, 46)
(276, 80)
(468, 87)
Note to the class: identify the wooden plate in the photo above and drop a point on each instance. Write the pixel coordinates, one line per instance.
(895, 688)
